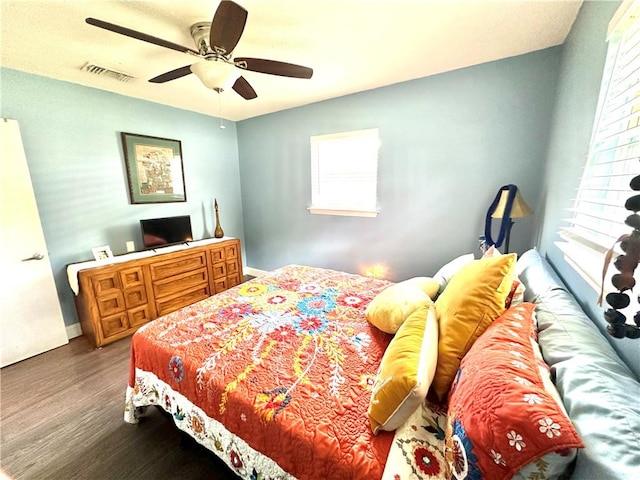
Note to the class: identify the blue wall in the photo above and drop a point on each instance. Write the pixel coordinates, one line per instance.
(579, 84)
(449, 142)
(72, 142)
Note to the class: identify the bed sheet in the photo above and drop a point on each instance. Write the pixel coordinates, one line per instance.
(274, 376)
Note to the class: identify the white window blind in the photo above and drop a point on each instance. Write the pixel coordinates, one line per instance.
(344, 173)
(614, 153)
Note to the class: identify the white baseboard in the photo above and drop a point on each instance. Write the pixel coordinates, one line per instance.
(74, 331)
(254, 272)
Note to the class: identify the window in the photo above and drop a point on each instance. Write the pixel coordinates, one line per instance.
(344, 173)
(614, 153)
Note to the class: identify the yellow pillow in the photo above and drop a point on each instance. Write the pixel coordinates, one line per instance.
(428, 285)
(393, 305)
(405, 372)
(473, 299)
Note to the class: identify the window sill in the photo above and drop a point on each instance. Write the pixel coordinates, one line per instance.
(586, 262)
(343, 212)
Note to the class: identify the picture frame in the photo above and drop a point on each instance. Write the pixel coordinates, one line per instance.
(155, 171)
(102, 253)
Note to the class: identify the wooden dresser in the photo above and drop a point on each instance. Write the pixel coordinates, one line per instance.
(114, 299)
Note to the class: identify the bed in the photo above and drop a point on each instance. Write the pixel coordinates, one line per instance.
(281, 365)
(276, 375)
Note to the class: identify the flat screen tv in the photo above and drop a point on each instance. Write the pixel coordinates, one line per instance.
(158, 232)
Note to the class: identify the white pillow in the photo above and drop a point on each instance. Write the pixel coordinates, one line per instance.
(446, 272)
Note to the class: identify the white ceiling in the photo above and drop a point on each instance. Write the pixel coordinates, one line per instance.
(352, 45)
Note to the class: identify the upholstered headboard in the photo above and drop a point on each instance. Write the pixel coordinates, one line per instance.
(599, 390)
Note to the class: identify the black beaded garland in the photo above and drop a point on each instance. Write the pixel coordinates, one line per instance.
(618, 300)
(626, 265)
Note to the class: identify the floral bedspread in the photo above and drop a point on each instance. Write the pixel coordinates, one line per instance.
(274, 376)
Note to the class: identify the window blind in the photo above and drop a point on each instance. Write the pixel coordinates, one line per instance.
(344, 172)
(613, 160)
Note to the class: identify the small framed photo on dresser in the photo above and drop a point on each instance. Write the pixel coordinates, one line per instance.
(102, 253)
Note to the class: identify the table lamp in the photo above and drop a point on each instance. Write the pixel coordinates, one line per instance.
(508, 205)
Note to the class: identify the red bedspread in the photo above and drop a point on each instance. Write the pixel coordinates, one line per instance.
(285, 362)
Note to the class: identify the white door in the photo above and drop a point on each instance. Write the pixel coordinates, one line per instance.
(30, 317)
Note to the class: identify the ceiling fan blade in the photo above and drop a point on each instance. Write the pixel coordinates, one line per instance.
(273, 67)
(172, 75)
(139, 36)
(227, 27)
(242, 88)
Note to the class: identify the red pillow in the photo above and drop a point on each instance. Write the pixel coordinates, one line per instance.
(501, 417)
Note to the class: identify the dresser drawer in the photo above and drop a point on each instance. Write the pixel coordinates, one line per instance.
(110, 302)
(234, 280)
(139, 316)
(219, 270)
(221, 284)
(175, 266)
(231, 252)
(135, 296)
(217, 255)
(105, 283)
(177, 284)
(132, 277)
(170, 304)
(233, 268)
(114, 324)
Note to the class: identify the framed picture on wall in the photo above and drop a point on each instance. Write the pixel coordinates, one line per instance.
(154, 169)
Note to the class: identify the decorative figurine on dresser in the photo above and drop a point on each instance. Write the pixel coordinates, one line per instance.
(218, 233)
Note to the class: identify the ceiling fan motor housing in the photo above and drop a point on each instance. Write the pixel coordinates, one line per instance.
(200, 33)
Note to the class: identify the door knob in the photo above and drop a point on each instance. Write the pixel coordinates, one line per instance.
(35, 256)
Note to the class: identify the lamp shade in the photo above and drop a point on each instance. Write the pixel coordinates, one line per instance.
(216, 75)
(519, 208)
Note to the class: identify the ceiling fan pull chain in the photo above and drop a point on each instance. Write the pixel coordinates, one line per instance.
(220, 110)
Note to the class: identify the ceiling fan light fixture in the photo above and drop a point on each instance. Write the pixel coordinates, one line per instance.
(216, 75)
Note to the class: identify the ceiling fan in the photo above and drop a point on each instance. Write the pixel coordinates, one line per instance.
(215, 42)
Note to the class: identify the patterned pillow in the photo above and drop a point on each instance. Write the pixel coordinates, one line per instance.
(502, 416)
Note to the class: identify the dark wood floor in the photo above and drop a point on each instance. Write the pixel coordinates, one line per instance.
(62, 418)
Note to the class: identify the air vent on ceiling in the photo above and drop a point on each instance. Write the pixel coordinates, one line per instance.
(108, 72)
